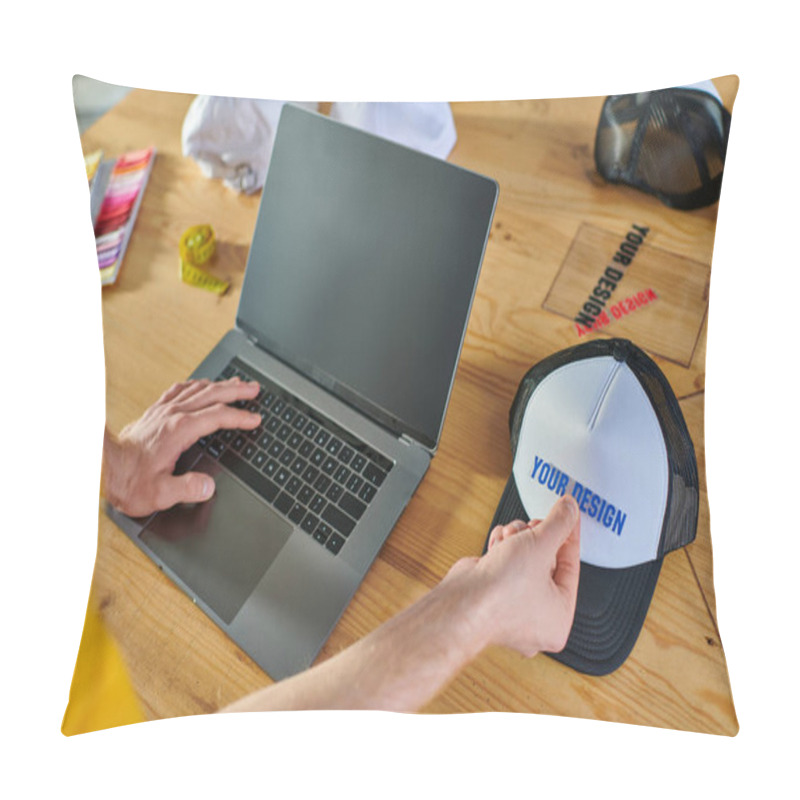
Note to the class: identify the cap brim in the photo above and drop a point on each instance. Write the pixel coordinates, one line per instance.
(611, 607)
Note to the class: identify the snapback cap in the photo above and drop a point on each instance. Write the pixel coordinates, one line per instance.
(669, 143)
(600, 421)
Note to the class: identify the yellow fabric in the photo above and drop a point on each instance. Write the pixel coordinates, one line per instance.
(101, 695)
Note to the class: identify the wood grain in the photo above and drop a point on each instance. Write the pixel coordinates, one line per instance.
(674, 291)
(157, 330)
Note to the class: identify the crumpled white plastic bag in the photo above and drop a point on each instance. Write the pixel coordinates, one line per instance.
(231, 138)
(427, 127)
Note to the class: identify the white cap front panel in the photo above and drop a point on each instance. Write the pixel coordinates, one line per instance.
(590, 430)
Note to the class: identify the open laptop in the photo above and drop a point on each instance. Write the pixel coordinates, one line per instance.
(358, 287)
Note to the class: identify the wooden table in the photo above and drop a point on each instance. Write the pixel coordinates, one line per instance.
(157, 330)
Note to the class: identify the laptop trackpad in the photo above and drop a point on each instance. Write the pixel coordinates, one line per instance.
(221, 548)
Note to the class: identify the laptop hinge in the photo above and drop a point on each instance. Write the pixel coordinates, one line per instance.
(408, 441)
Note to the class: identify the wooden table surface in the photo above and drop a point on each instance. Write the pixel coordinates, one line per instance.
(158, 329)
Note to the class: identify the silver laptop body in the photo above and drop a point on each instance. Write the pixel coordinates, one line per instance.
(356, 296)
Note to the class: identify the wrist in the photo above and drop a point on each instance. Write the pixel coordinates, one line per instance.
(112, 473)
(469, 598)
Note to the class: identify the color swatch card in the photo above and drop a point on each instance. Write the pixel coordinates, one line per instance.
(92, 161)
(116, 193)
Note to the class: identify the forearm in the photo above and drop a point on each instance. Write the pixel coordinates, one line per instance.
(399, 667)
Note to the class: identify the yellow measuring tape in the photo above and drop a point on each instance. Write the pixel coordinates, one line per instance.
(197, 245)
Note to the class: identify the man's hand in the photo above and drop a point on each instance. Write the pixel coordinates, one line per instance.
(521, 594)
(138, 465)
(528, 579)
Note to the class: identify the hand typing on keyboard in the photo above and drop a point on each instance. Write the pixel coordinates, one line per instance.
(319, 476)
(138, 465)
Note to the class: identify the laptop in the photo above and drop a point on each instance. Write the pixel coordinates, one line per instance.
(354, 304)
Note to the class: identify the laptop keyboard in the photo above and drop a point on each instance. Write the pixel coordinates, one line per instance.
(314, 473)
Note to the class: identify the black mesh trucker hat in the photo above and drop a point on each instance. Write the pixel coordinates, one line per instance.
(600, 421)
(670, 143)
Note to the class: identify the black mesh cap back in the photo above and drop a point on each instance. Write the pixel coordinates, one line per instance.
(670, 143)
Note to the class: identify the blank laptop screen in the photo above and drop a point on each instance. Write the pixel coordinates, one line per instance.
(363, 266)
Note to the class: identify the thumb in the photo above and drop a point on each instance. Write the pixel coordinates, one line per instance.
(191, 487)
(556, 527)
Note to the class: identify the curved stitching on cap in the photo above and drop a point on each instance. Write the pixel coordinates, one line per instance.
(601, 637)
